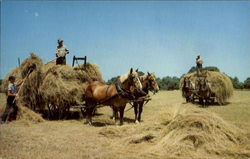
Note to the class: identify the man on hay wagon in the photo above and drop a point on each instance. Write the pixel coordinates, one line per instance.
(199, 63)
(61, 53)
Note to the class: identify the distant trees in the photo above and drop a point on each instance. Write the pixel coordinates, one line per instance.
(140, 73)
(168, 83)
(114, 79)
(1, 87)
(236, 83)
(247, 83)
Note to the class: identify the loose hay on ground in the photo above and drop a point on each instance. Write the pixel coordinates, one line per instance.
(193, 132)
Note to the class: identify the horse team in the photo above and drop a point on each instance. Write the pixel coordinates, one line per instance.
(128, 87)
(200, 89)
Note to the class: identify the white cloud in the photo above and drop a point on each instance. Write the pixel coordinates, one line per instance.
(36, 14)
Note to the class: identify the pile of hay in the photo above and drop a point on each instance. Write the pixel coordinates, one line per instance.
(197, 133)
(52, 88)
(26, 114)
(221, 84)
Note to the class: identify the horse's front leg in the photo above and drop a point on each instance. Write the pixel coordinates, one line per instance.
(140, 111)
(136, 111)
(121, 110)
(115, 114)
(206, 102)
(89, 110)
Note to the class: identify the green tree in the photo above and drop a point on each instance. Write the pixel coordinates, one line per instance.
(112, 80)
(1, 86)
(168, 83)
(247, 83)
(140, 73)
(192, 69)
(212, 68)
(236, 83)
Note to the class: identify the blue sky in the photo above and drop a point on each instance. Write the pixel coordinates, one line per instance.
(157, 36)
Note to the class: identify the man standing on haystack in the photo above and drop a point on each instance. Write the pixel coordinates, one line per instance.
(199, 63)
(61, 53)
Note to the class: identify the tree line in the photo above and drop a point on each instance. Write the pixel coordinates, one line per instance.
(172, 82)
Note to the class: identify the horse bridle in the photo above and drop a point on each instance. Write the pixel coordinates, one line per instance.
(122, 91)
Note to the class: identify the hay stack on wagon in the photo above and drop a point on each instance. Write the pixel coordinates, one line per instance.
(51, 87)
(221, 85)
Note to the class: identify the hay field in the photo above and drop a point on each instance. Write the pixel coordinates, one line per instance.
(170, 129)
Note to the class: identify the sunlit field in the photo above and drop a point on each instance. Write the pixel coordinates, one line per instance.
(167, 131)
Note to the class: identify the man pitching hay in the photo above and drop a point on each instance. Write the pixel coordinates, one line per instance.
(12, 93)
(61, 52)
(199, 63)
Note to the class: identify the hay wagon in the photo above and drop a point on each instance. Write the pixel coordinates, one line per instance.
(221, 86)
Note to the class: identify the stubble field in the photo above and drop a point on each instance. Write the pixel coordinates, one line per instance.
(170, 128)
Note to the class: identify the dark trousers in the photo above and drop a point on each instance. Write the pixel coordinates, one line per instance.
(199, 69)
(61, 61)
(10, 104)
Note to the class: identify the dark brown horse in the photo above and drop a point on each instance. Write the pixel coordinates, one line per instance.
(115, 95)
(149, 83)
(188, 89)
(203, 91)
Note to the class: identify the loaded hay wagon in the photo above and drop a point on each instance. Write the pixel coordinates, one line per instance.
(51, 89)
(220, 85)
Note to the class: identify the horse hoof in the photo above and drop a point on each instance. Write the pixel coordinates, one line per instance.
(88, 123)
(137, 122)
(117, 123)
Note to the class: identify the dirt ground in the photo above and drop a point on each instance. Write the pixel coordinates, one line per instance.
(155, 137)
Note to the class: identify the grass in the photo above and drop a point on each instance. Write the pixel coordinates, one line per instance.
(72, 139)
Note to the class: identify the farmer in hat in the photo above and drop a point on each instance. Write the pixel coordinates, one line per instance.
(61, 52)
(12, 94)
(199, 63)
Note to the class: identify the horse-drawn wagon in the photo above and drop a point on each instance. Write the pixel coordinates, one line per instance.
(208, 88)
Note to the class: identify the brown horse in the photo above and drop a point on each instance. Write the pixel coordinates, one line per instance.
(149, 83)
(115, 95)
(188, 89)
(203, 91)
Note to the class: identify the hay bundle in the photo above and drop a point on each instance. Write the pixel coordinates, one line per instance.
(62, 87)
(33, 63)
(193, 132)
(91, 70)
(221, 85)
(26, 114)
(52, 87)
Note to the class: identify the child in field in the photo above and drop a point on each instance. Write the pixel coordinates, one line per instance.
(11, 95)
